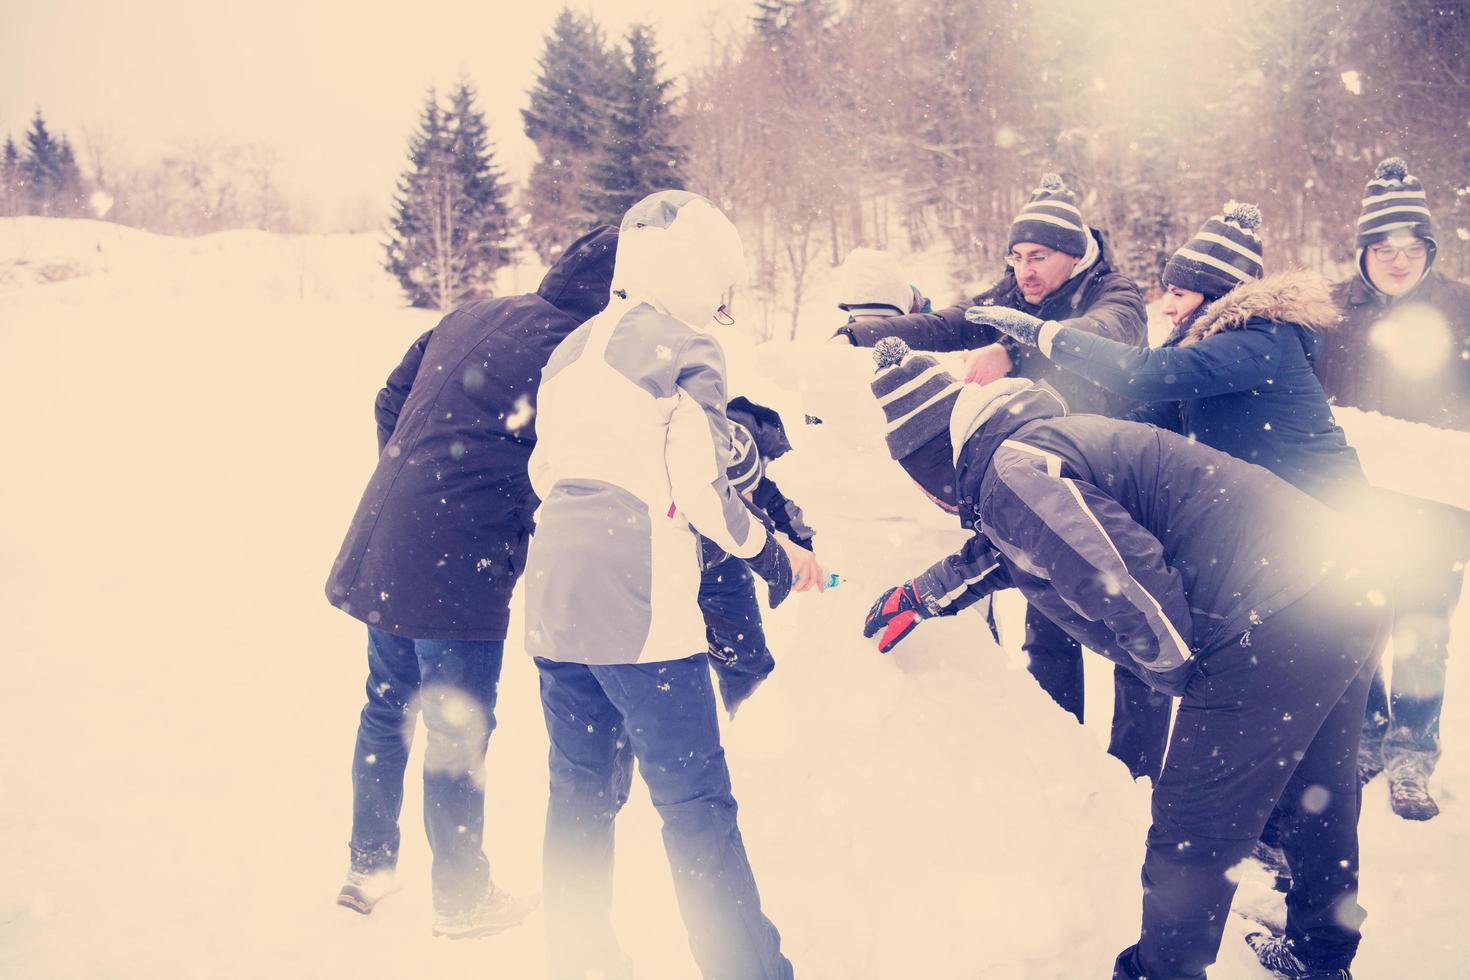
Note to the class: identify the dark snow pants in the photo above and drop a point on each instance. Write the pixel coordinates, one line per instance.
(600, 718)
(737, 638)
(1272, 719)
(1433, 542)
(1140, 714)
(453, 683)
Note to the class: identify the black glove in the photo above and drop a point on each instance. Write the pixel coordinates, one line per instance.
(773, 566)
(897, 612)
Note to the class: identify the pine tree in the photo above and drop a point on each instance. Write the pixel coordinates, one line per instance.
(483, 209)
(12, 182)
(451, 228)
(70, 197)
(566, 120)
(41, 168)
(638, 153)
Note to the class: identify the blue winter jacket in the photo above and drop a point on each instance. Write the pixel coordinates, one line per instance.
(1237, 377)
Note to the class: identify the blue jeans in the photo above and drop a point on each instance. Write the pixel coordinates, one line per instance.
(453, 682)
(737, 639)
(1434, 542)
(600, 718)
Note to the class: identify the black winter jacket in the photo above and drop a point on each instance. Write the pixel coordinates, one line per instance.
(1099, 301)
(1144, 546)
(1357, 371)
(440, 535)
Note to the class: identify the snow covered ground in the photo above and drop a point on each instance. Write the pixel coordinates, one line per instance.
(189, 432)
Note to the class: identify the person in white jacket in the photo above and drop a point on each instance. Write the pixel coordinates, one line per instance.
(630, 466)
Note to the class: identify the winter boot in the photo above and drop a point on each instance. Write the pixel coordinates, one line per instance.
(1275, 954)
(1274, 860)
(494, 913)
(364, 888)
(1408, 788)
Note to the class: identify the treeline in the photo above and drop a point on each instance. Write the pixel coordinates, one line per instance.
(43, 178)
(602, 118)
(910, 122)
(204, 188)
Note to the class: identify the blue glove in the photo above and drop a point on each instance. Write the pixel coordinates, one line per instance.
(1022, 326)
(897, 613)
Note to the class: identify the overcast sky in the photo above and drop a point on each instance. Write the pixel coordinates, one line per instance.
(335, 86)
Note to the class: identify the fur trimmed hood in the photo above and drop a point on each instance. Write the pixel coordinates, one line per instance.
(1296, 296)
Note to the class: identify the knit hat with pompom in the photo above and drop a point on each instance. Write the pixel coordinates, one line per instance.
(1223, 254)
(1393, 204)
(1051, 218)
(915, 393)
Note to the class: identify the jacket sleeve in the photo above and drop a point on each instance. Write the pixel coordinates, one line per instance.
(1165, 415)
(1116, 313)
(1231, 360)
(390, 400)
(942, 331)
(697, 453)
(784, 514)
(958, 581)
(1105, 566)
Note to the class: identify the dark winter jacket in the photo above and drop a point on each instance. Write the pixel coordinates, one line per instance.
(1237, 377)
(1144, 546)
(1357, 372)
(1098, 301)
(771, 442)
(440, 536)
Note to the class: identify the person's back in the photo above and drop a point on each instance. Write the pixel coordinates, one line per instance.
(631, 463)
(429, 563)
(1238, 538)
(440, 535)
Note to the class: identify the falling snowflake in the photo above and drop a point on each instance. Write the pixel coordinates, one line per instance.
(521, 416)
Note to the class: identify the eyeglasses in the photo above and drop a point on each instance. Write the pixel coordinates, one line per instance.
(1021, 261)
(723, 316)
(1387, 253)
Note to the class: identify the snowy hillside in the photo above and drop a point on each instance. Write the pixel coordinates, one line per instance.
(191, 427)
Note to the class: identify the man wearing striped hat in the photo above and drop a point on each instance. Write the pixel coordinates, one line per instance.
(1403, 349)
(1056, 270)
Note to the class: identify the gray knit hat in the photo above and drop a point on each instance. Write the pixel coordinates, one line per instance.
(1051, 218)
(1223, 254)
(1393, 201)
(916, 394)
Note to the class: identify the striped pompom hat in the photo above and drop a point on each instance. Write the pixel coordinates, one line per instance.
(1223, 254)
(1393, 203)
(1051, 218)
(915, 393)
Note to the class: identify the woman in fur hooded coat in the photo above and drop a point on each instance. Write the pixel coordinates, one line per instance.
(1236, 373)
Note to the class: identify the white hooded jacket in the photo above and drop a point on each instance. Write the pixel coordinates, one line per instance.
(632, 450)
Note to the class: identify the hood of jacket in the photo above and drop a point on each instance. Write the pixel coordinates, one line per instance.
(1296, 296)
(679, 253)
(983, 419)
(579, 281)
